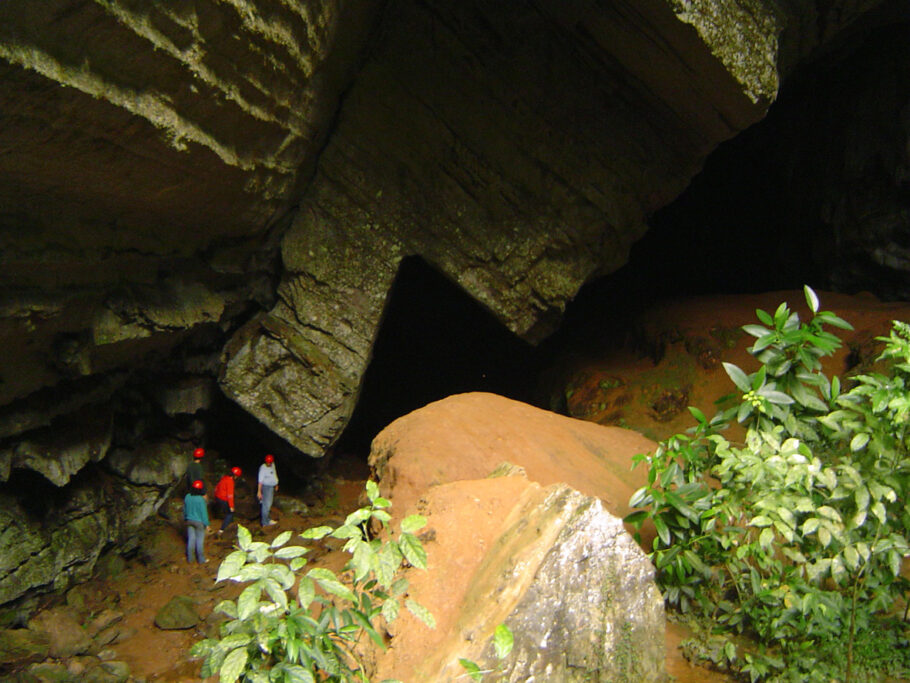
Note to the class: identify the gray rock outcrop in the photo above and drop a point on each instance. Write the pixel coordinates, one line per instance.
(207, 192)
(155, 168)
(559, 571)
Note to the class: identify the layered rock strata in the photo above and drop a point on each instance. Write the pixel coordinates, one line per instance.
(200, 190)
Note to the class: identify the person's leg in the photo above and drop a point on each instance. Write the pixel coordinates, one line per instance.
(225, 510)
(190, 543)
(200, 543)
(267, 495)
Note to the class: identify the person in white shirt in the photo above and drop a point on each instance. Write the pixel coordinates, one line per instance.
(265, 491)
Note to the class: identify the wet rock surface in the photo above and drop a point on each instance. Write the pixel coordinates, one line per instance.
(186, 198)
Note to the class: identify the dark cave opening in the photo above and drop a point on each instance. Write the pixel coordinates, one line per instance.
(752, 220)
(810, 195)
(434, 341)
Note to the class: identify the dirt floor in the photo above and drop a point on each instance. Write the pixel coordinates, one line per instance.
(160, 573)
(624, 388)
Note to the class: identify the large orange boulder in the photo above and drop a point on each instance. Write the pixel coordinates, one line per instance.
(467, 436)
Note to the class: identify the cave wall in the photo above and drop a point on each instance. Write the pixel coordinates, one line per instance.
(199, 191)
(816, 193)
(517, 148)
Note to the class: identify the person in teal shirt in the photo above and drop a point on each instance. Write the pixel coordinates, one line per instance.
(196, 516)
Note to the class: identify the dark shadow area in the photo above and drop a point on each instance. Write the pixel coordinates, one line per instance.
(434, 341)
(240, 439)
(809, 195)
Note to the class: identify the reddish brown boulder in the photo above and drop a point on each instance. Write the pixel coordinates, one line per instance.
(467, 435)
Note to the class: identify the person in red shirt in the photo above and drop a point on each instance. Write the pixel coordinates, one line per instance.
(224, 496)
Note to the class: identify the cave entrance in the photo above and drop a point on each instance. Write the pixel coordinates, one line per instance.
(434, 341)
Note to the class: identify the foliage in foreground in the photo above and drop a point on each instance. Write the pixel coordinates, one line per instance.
(793, 537)
(502, 646)
(271, 634)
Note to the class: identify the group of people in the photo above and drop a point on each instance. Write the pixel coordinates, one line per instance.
(195, 503)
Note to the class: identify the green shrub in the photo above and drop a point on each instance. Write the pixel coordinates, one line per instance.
(794, 536)
(271, 634)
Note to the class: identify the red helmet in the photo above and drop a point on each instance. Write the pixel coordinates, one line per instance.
(269, 459)
(198, 485)
(199, 453)
(236, 471)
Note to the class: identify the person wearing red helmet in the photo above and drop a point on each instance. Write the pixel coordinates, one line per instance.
(224, 496)
(265, 490)
(196, 517)
(194, 470)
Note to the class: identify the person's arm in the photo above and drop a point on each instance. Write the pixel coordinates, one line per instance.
(230, 495)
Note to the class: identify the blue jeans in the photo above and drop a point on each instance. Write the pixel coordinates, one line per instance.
(265, 505)
(224, 509)
(195, 539)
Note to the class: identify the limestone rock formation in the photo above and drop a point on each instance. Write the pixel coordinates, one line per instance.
(547, 557)
(50, 537)
(552, 565)
(518, 150)
(201, 191)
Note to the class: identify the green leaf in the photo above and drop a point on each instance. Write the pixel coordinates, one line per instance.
(636, 519)
(390, 610)
(291, 552)
(383, 516)
(315, 533)
(347, 531)
(502, 641)
(776, 397)
(277, 594)
(388, 560)
(372, 490)
(471, 668)
(357, 517)
(244, 538)
(879, 511)
(227, 607)
(420, 612)
(811, 298)
(235, 640)
(327, 581)
(306, 591)
(859, 441)
(294, 673)
(740, 379)
(362, 560)
(233, 666)
(764, 317)
(413, 551)
(765, 538)
(697, 414)
(781, 315)
(760, 521)
(755, 330)
(851, 557)
(248, 602)
(231, 565)
(413, 523)
(281, 539)
(662, 531)
(202, 648)
(830, 318)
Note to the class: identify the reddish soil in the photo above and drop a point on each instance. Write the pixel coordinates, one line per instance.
(616, 388)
